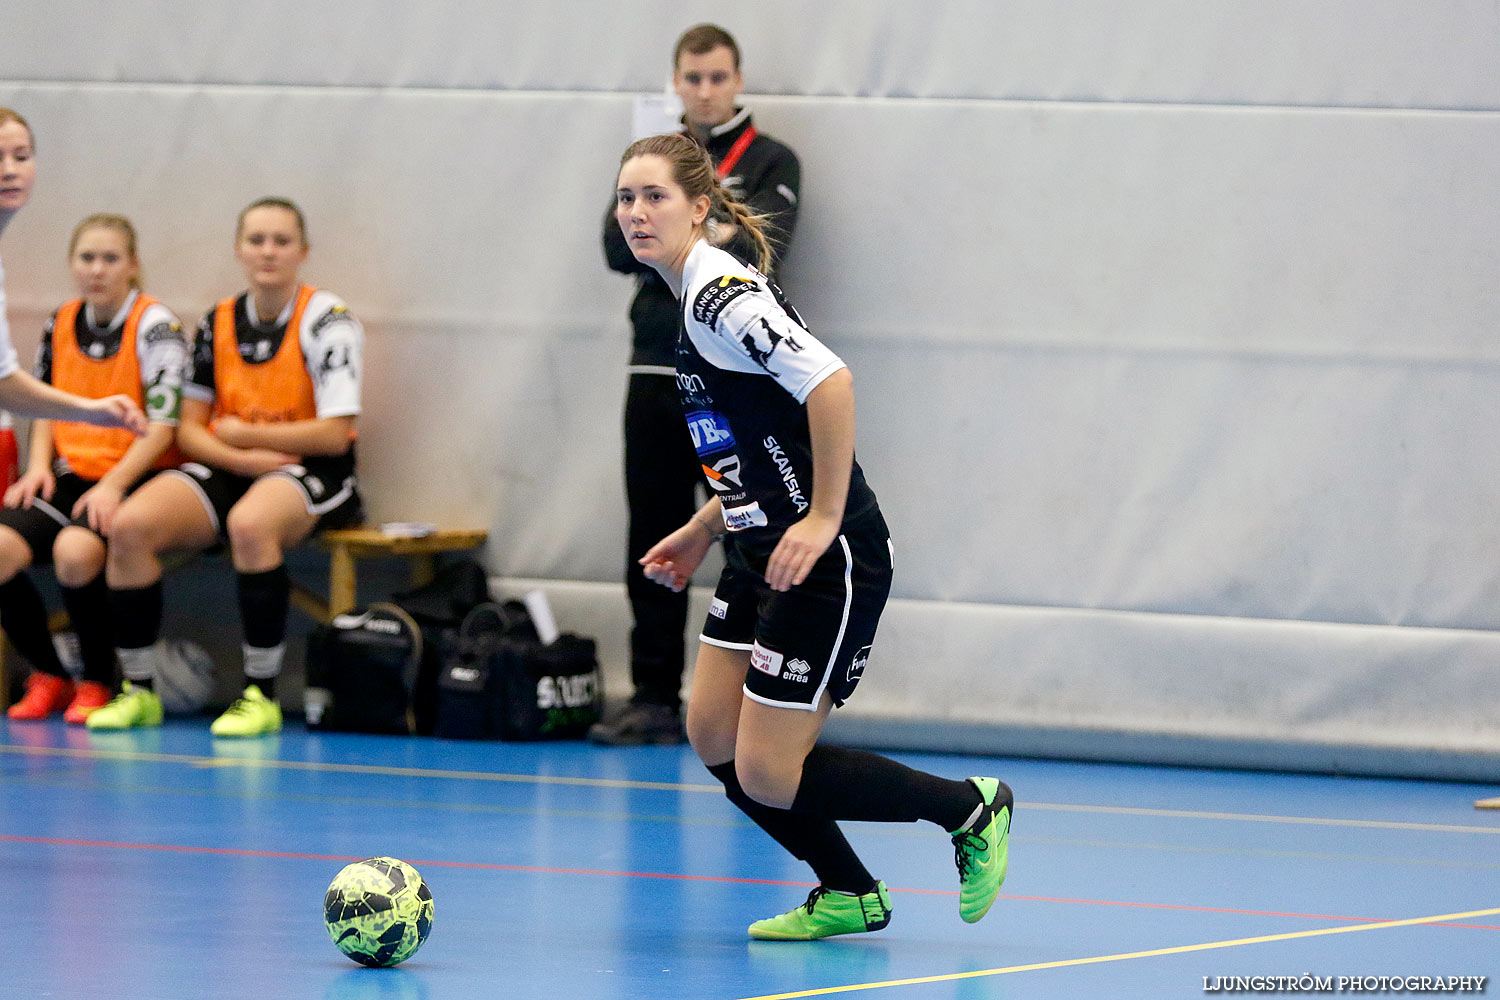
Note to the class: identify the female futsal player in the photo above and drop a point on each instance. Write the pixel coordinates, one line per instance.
(20, 392)
(113, 339)
(267, 424)
(771, 412)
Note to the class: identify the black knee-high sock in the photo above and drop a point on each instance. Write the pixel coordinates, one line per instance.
(88, 607)
(817, 841)
(24, 618)
(136, 614)
(265, 598)
(839, 783)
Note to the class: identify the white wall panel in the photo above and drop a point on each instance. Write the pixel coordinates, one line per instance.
(1394, 53)
(1172, 324)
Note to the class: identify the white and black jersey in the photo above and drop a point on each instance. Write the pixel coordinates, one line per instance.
(745, 366)
(332, 342)
(160, 349)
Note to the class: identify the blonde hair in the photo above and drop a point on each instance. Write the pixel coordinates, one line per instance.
(122, 225)
(694, 172)
(9, 115)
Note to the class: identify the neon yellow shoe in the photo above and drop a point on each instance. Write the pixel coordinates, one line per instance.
(982, 850)
(827, 913)
(132, 707)
(252, 715)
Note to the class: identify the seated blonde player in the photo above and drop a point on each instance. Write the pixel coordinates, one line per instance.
(113, 339)
(267, 424)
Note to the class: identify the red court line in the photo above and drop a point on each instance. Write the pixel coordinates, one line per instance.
(672, 876)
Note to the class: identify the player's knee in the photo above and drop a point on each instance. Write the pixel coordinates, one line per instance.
(769, 782)
(250, 533)
(78, 557)
(708, 737)
(132, 532)
(15, 554)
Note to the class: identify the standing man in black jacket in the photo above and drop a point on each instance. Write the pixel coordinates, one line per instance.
(661, 465)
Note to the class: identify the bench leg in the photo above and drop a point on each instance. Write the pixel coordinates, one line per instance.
(341, 590)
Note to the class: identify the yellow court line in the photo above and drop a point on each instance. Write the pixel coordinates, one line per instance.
(670, 786)
(1154, 953)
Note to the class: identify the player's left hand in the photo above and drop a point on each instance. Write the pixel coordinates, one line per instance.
(100, 502)
(119, 411)
(800, 547)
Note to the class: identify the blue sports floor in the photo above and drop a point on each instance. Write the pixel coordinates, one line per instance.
(165, 864)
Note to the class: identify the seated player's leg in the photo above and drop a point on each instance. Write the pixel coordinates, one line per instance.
(24, 616)
(175, 510)
(272, 517)
(78, 555)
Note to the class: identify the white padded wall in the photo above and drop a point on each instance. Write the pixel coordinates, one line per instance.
(1172, 323)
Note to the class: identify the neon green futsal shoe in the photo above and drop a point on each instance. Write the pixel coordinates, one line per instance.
(133, 706)
(252, 715)
(827, 913)
(982, 850)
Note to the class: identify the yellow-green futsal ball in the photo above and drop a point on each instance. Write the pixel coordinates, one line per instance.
(378, 911)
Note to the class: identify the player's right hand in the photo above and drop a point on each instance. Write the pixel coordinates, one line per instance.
(31, 485)
(671, 561)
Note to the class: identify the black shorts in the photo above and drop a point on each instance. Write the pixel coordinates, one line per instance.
(41, 523)
(328, 488)
(815, 637)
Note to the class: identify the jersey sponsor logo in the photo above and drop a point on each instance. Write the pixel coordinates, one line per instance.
(336, 358)
(719, 608)
(710, 431)
(257, 351)
(716, 295)
(788, 474)
(165, 330)
(689, 383)
(857, 665)
(767, 661)
(724, 475)
(748, 516)
(332, 316)
(796, 671)
(761, 354)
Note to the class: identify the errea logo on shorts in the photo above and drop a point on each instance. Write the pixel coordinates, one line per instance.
(765, 660)
(796, 670)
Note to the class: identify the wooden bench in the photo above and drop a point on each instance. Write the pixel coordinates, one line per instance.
(345, 548)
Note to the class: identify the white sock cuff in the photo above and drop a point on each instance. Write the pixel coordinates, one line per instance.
(263, 663)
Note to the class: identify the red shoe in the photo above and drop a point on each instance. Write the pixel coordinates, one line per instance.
(45, 694)
(88, 696)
